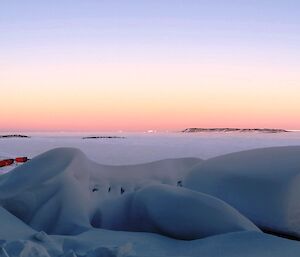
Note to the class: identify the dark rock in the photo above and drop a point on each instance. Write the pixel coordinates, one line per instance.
(260, 130)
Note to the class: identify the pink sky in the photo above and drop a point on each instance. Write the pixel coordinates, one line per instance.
(131, 97)
(161, 65)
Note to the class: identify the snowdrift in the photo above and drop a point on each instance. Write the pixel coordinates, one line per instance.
(56, 193)
(63, 204)
(263, 184)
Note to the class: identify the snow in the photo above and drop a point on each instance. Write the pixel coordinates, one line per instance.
(41, 194)
(263, 184)
(146, 147)
(65, 203)
(152, 245)
(12, 228)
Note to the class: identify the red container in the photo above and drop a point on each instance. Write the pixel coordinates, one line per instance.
(21, 159)
(6, 162)
(2, 163)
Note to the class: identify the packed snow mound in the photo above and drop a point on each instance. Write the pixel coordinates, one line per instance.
(42, 192)
(62, 204)
(182, 213)
(56, 193)
(263, 184)
(117, 179)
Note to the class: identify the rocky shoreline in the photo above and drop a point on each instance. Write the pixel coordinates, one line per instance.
(14, 135)
(260, 130)
(103, 137)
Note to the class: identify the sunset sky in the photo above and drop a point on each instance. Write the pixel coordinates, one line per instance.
(109, 65)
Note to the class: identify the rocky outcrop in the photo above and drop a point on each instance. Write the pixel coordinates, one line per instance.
(260, 130)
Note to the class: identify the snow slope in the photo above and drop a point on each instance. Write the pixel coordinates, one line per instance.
(63, 204)
(41, 193)
(263, 184)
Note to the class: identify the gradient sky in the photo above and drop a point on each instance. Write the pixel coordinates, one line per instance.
(106, 65)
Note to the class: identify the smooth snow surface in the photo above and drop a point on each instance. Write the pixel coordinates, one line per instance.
(41, 193)
(263, 184)
(145, 147)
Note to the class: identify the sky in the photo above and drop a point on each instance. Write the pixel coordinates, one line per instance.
(138, 65)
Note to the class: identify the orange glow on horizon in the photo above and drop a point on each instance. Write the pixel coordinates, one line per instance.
(130, 97)
(149, 65)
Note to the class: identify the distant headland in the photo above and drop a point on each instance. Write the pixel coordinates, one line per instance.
(103, 137)
(14, 135)
(260, 130)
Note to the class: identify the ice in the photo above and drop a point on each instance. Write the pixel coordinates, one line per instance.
(146, 147)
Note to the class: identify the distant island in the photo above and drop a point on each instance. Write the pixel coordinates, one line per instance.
(14, 135)
(260, 130)
(103, 137)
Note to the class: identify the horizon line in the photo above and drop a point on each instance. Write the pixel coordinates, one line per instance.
(137, 131)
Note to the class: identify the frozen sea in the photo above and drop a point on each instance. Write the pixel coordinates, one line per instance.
(145, 147)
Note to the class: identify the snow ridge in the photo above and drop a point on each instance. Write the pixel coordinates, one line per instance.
(63, 204)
